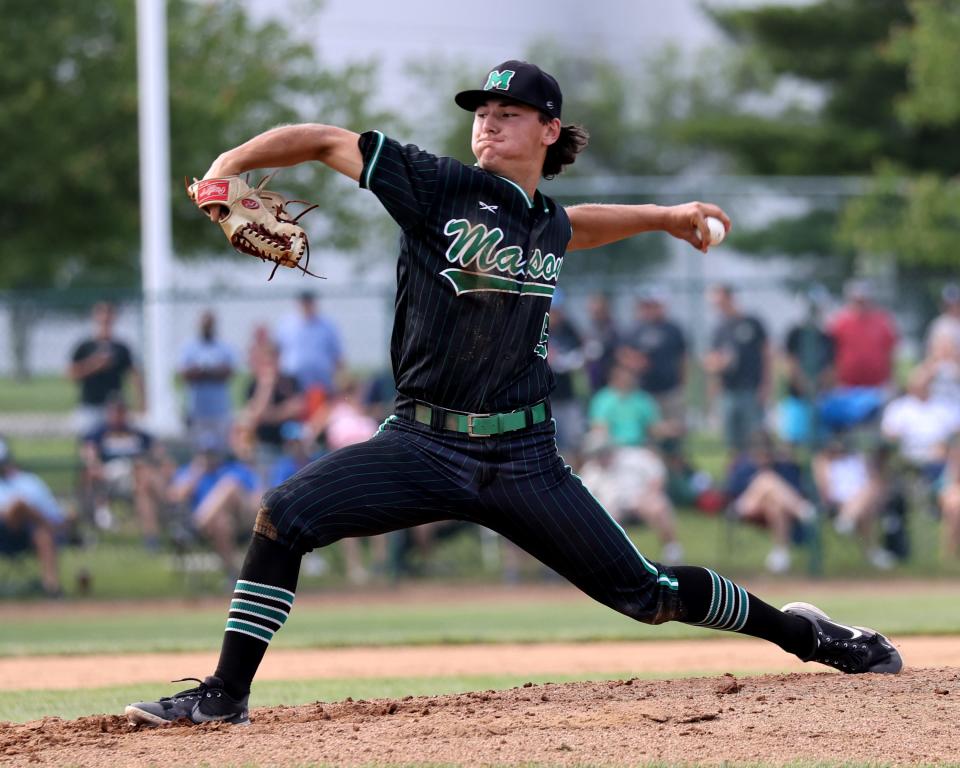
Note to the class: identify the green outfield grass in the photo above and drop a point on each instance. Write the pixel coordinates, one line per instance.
(21, 706)
(901, 612)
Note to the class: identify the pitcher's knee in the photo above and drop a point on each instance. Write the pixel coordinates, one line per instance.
(264, 526)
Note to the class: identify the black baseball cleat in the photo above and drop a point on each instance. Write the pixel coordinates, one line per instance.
(849, 649)
(207, 703)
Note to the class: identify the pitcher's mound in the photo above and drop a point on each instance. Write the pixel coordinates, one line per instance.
(908, 718)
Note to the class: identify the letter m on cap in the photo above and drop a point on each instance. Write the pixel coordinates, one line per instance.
(499, 80)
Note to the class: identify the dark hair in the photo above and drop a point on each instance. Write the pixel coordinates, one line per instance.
(573, 140)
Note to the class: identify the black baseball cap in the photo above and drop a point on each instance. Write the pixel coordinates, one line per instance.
(519, 81)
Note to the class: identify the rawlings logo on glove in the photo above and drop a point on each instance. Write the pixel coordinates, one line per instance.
(256, 222)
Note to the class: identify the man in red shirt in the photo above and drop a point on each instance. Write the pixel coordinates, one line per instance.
(865, 337)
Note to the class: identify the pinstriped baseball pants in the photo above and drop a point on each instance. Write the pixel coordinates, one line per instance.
(518, 486)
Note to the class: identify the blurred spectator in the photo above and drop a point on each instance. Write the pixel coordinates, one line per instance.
(379, 395)
(30, 519)
(100, 365)
(855, 487)
(920, 426)
(342, 422)
(566, 357)
(261, 346)
(310, 350)
(630, 483)
(601, 342)
(946, 326)
(766, 489)
(942, 364)
(121, 461)
(273, 398)
(739, 357)
(808, 358)
(656, 348)
(948, 498)
(296, 453)
(865, 336)
(223, 495)
(206, 367)
(627, 414)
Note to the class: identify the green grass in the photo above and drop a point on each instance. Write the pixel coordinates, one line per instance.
(20, 706)
(120, 568)
(901, 612)
(38, 394)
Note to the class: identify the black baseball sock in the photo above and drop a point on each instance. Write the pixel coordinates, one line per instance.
(261, 603)
(710, 600)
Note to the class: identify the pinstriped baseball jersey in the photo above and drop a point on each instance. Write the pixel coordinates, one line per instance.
(479, 261)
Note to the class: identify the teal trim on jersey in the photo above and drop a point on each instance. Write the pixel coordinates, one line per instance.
(265, 590)
(519, 189)
(385, 422)
(662, 578)
(373, 160)
(471, 282)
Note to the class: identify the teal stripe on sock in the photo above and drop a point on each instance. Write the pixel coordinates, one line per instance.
(265, 590)
(714, 599)
(260, 610)
(728, 606)
(249, 628)
(744, 610)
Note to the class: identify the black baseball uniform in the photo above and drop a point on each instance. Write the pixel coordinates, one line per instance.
(478, 265)
(471, 437)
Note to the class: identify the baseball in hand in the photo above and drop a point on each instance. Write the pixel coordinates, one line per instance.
(717, 230)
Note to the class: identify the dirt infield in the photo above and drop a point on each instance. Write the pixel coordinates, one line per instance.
(896, 720)
(659, 659)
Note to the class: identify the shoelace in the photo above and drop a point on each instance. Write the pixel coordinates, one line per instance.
(199, 691)
(844, 649)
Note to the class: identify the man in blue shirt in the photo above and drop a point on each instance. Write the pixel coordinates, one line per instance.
(310, 347)
(30, 517)
(206, 367)
(222, 493)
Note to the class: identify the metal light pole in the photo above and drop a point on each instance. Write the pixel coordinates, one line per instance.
(156, 241)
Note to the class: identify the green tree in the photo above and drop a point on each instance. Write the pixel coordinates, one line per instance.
(844, 87)
(70, 207)
(911, 212)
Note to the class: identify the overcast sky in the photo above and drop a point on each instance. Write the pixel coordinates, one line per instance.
(398, 31)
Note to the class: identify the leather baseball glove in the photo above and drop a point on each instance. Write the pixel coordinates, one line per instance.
(256, 221)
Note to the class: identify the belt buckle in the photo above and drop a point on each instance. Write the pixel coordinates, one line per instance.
(470, 418)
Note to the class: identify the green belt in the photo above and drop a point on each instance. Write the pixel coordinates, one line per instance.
(482, 424)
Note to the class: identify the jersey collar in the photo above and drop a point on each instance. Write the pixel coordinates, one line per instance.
(523, 192)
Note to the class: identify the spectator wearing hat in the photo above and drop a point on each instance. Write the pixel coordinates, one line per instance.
(206, 366)
(222, 494)
(30, 518)
(121, 461)
(656, 348)
(740, 361)
(310, 350)
(945, 328)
